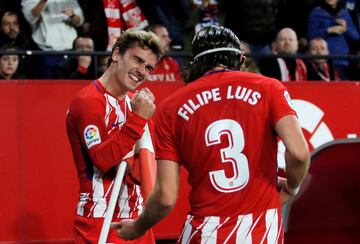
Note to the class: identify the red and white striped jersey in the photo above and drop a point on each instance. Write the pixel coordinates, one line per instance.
(221, 129)
(102, 131)
(263, 228)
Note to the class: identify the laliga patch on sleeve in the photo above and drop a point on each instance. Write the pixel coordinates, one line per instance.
(288, 99)
(92, 136)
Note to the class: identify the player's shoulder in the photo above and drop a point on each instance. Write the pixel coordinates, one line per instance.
(87, 98)
(252, 79)
(262, 80)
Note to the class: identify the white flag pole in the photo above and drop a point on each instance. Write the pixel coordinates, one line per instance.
(113, 199)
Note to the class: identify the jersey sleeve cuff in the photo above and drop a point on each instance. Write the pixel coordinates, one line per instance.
(167, 156)
(291, 191)
(135, 125)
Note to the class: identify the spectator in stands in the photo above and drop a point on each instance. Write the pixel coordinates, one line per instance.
(106, 26)
(319, 69)
(53, 27)
(10, 32)
(78, 67)
(208, 11)
(294, 14)
(252, 21)
(284, 69)
(120, 16)
(9, 64)
(333, 22)
(167, 68)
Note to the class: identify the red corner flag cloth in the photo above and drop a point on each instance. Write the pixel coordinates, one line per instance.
(143, 163)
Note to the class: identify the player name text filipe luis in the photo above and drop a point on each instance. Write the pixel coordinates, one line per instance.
(216, 94)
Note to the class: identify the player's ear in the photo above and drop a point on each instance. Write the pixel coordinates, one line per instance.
(242, 58)
(115, 55)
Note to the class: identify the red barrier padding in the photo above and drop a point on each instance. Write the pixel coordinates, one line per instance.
(327, 209)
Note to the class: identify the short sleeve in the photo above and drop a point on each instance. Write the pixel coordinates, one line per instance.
(280, 102)
(165, 146)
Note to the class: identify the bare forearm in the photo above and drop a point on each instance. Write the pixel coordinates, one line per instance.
(155, 210)
(296, 169)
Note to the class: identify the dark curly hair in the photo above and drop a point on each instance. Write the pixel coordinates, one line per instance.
(211, 37)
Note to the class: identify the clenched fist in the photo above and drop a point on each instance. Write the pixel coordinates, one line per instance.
(142, 103)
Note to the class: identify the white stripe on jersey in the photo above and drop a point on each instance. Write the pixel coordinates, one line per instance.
(186, 231)
(209, 231)
(119, 114)
(107, 193)
(243, 225)
(108, 110)
(100, 204)
(136, 190)
(139, 201)
(271, 220)
(127, 104)
(123, 202)
(197, 229)
(113, 104)
(279, 232)
(84, 197)
(207, 228)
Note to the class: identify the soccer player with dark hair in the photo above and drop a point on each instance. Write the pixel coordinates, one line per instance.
(223, 128)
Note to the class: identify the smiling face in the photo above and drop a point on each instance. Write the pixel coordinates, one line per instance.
(133, 67)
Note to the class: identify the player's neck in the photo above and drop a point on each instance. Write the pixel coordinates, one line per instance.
(112, 87)
(216, 69)
(219, 67)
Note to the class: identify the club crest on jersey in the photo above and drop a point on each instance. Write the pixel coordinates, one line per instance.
(92, 136)
(288, 99)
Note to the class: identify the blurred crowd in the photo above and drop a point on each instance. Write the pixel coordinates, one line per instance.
(279, 28)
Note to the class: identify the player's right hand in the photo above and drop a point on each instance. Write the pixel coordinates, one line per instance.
(127, 229)
(142, 103)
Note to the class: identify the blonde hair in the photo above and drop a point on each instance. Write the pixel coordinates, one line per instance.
(141, 38)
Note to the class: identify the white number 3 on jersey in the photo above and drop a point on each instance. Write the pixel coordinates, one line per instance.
(232, 154)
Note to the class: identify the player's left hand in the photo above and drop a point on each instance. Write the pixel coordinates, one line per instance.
(127, 229)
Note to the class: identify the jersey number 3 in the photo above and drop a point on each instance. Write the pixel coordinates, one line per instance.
(232, 154)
